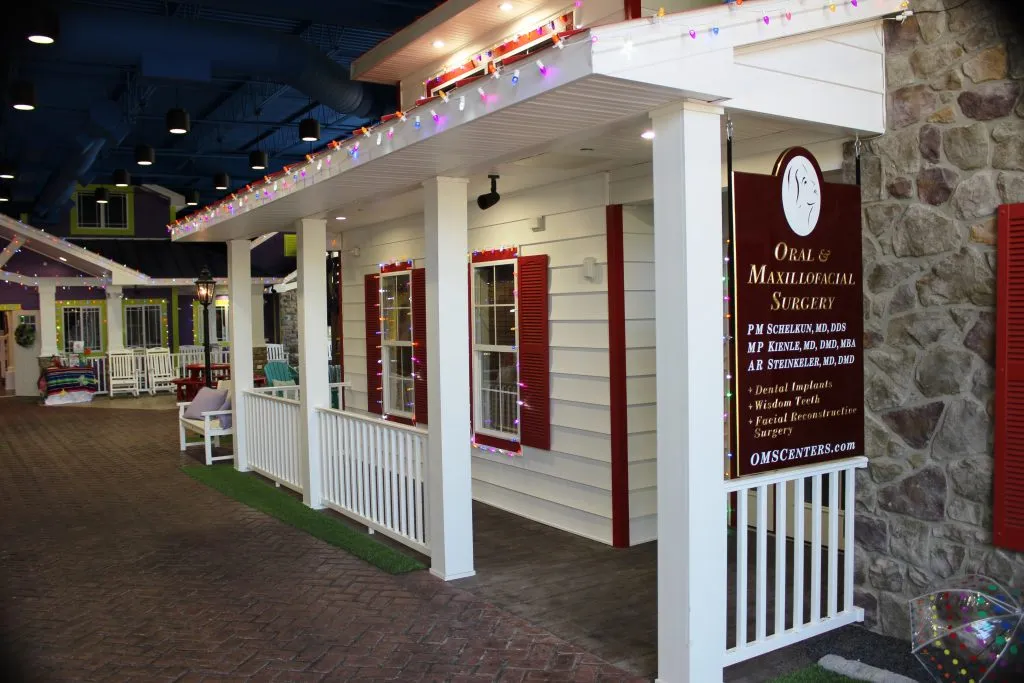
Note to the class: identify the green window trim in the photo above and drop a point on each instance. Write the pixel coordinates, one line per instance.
(125, 303)
(197, 320)
(175, 321)
(128, 192)
(291, 244)
(93, 303)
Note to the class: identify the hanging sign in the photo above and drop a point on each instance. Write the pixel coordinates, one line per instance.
(798, 334)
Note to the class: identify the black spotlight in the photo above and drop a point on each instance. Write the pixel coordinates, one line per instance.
(192, 198)
(5, 193)
(309, 130)
(23, 96)
(7, 170)
(42, 28)
(486, 201)
(101, 195)
(144, 155)
(257, 160)
(178, 122)
(221, 181)
(122, 178)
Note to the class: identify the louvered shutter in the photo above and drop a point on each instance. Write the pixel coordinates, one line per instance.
(534, 392)
(419, 340)
(1008, 513)
(469, 306)
(374, 382)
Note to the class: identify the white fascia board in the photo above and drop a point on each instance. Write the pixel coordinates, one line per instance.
(30, 281)
(11, 249)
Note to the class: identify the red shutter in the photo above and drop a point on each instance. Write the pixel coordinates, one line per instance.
(469, 305)
(419, 340)
(617, 376)
(534, 363)
(374, 386)
(1008, 513)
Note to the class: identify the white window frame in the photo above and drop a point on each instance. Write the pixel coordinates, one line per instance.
(386, 346)
(68, 341)
(225, 313)
(146, 343)
(480, 349)
(102, 211)
(217, 310)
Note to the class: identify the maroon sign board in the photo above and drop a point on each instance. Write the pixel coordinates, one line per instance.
(798, 318)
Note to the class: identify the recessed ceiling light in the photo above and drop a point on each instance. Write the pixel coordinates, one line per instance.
(505, 7)
(340, 218)
(647, 135)
(438, 43)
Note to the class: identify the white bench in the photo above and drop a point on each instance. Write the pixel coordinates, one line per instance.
(209, 428)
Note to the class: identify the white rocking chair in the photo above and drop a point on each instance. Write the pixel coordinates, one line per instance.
(123, 375)
(159, 370)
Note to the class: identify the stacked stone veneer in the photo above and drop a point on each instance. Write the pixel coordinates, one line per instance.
(953, 152)
(290, 321)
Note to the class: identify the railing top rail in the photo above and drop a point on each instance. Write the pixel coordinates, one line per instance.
(794, 473)
(372, 419)
(256, 393)
(269, 390)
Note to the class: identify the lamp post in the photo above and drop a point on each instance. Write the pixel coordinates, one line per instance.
(205, 285)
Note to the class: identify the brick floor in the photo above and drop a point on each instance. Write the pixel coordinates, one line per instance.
(115, 566)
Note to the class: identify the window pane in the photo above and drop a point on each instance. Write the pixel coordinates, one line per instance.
(499, 395)
(153, 336)
(484, 285)
(504, 284)
(485, 325)
(505, 325)
(400, 379)
(117, 211)
(396, 307)
(72, 327)
(88, 216)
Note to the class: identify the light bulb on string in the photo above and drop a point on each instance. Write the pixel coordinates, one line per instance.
(416, 122)
(515, 77)
(462, 102)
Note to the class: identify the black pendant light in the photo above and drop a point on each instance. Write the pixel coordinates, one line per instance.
(5, 193)
(192, 198)
(178, 122)
(221, 181)
(101, 195)
(258, 160)
(122, 178)
(7, 170)
(309, 130)
(42, 27)
(144, 155)
(23, 96)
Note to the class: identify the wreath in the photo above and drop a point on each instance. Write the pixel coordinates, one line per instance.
(25, 335)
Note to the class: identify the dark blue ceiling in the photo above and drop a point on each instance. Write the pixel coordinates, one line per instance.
(247, 71)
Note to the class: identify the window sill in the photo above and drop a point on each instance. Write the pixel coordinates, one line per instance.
(495, 442)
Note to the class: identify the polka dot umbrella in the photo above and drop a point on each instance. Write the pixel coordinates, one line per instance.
(970, 632)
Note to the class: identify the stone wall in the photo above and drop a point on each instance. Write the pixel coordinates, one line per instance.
(953, 152)
(290, 321)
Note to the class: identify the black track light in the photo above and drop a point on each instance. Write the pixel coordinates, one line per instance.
(101, 195)
(178, 122)
(42, 27)
(5, 193)
(144, 155)
(258, 160)
(221, 181)
(309, 130)
(486, 201)
(122, 178)
(192, 198)
(7, 170)
(23, 96)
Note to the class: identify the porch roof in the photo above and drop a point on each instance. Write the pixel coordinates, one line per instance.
(818, 66)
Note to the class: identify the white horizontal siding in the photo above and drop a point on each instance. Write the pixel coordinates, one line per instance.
(569, 486)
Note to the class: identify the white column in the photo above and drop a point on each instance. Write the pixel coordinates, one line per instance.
(240, 334)
(688, 337)
(313, 357)
(449, 479)
(258, 336)
(115, 319)
(47, 328)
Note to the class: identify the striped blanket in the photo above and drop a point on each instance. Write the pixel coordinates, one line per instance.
(70, 380)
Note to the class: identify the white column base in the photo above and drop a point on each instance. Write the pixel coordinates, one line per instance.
(452, 577)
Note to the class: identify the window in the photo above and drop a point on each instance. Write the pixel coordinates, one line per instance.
(143, 325)
(220, 322)
(397, 373)
(495, 355)
(84, 324)
(220, 332)
(112, 215)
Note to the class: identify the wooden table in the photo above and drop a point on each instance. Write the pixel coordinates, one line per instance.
(218, 371)
(187, 388)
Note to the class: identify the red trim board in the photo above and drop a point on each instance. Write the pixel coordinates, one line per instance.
(617, 376)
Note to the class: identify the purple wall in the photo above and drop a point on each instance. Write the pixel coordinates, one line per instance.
(27, 262)
(11, 293)
(185, 318)
(152, 214)
(269, 257)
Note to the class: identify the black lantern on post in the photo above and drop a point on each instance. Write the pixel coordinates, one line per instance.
(205, 286)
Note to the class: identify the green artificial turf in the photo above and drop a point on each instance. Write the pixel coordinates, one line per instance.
(815, 674)
(266, 498)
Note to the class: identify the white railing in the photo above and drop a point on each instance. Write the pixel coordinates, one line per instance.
(789, 504)
(273, 429)
(375, 472)
(178, 360)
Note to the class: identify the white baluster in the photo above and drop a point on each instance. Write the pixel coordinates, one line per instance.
(780, 557)
(816, 549)
(798, 553)
(833, 542)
